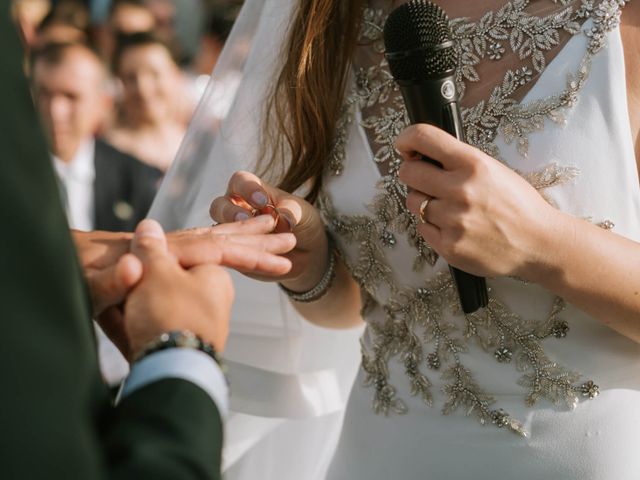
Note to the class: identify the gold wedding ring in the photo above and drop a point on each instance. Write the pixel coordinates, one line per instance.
(423, 209)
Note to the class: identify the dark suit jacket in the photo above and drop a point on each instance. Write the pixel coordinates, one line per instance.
(56, 419)
(124, 189)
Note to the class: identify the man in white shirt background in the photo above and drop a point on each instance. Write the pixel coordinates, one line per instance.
(103, 188)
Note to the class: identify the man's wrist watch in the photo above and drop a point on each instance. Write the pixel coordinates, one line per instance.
(179, 339)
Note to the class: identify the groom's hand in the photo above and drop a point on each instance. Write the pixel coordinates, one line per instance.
(171, 297)
(244, 246)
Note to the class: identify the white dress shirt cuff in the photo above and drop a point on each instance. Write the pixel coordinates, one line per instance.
(184, 363)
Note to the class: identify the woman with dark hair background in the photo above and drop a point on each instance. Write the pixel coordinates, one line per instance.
(148, 124)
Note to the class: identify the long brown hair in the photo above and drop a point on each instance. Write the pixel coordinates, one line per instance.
(305, 104)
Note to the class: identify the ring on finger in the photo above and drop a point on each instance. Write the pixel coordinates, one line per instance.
(269, 209)
(422, 212)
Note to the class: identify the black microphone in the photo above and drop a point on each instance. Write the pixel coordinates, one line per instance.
(423, 61)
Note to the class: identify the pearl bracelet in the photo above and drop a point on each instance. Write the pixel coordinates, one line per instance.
(325, 283)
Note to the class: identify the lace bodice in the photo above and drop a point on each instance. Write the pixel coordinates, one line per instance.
(414, 317)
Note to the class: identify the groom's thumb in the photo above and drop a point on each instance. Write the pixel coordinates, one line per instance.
(111, 285)
(149, 241)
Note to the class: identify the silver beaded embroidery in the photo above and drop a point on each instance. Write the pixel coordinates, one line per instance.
(414, 330)
(607, 225)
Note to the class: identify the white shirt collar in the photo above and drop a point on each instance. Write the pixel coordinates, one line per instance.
(82, 167)
(77, 184)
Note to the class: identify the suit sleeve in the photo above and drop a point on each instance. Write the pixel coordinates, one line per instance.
(168, 418)
(186, 363)
(168, 429)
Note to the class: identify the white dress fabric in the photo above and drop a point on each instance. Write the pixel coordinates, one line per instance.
(290, 380)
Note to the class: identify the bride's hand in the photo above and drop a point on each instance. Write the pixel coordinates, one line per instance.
(482, 217)
(244, 246)
(247, 195)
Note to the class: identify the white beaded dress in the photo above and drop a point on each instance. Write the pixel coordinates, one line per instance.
(530, 387)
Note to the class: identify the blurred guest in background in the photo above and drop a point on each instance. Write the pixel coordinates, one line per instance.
(165, 14)
(130, 16)
(125, 17)
(68, 21)
(213, 39)
(28, 14)
(189, 23)
(149, 122)
(104, 189)
(211, 43)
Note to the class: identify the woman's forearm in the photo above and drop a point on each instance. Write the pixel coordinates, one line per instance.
(596, 270)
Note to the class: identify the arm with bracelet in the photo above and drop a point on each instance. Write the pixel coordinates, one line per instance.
(319, 283)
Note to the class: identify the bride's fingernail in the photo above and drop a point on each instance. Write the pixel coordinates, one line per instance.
(241, 216)
(259, 199)
(290, 222)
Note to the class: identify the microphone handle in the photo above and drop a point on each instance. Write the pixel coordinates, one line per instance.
(435, 101)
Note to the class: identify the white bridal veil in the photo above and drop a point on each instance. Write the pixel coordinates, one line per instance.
(289, 380)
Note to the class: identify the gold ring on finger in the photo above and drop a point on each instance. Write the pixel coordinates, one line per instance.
(423, 209)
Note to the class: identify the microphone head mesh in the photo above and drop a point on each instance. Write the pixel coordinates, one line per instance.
(417, 27)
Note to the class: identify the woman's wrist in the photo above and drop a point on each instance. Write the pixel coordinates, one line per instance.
(546, 254)
(323, 258)
(322, 287)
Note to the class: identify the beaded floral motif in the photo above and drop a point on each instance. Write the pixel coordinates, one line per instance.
(414, 320)
(530, 37)
(414, 330)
